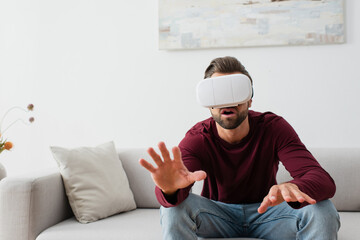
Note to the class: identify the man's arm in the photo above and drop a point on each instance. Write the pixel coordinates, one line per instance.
(307, 173)
(310, 184)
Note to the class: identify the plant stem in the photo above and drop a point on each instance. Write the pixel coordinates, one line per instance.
(11, 109)
(18, 120)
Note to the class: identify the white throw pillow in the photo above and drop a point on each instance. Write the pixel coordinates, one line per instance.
(95, 181)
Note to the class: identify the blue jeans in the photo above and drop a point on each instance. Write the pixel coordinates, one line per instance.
(200, 217)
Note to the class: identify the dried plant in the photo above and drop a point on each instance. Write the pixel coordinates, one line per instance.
(7, 145)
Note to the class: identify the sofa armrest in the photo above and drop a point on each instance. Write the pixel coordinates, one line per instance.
(30, 204)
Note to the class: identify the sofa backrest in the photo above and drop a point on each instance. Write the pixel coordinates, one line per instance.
(140, 179)
(342, 164)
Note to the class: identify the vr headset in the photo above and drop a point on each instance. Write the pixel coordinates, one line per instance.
(224, 91)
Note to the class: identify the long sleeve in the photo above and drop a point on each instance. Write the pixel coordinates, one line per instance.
(307, 173)
(174, 200)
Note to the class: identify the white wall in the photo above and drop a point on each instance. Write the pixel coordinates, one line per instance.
(94, 73)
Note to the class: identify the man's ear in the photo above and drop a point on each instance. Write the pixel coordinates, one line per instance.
(249, 103)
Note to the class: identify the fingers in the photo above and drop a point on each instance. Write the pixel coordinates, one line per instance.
(273, 194)
(197, 176)
(308, 199)
(291, 193)
(299, 196)
(147, 165)
(273, 198)
(155, 156)
(264, 205)
(164, 152)
(287, 195)
(288, 192)
(177, 154)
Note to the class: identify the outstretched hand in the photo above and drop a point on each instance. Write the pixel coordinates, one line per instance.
(288, 192)
(170, 174)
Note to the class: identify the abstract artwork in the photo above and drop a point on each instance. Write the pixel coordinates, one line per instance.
(192, 24)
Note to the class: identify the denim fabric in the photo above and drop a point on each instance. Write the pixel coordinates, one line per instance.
(200, 217)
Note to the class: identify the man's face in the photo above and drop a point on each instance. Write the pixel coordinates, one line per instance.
(230, 117)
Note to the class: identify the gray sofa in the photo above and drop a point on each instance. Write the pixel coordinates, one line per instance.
(36, 207)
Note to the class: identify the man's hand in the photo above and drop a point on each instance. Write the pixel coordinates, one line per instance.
(170, 174)
(288, 192)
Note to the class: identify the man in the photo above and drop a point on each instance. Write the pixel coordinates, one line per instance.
(236, 152)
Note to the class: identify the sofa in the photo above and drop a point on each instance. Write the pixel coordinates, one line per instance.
(35, 206)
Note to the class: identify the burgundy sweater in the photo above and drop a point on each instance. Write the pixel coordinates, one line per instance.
(244, 173)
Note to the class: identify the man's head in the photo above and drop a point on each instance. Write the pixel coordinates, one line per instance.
(225, 65)
(230, 117)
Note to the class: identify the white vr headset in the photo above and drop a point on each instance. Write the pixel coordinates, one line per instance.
(224, 91)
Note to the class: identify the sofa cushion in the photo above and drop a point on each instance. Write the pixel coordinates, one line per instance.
(145, 224)
(95, 181)
(133, 225)
(349, 229)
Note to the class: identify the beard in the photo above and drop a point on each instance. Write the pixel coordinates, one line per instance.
(231, 123)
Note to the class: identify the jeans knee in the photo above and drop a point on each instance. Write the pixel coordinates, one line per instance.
(322, 215)
(178, 214)
(178, 221)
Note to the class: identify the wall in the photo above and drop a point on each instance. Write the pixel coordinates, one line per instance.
(94, 73)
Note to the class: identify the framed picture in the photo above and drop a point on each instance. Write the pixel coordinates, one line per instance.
(192, 24)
